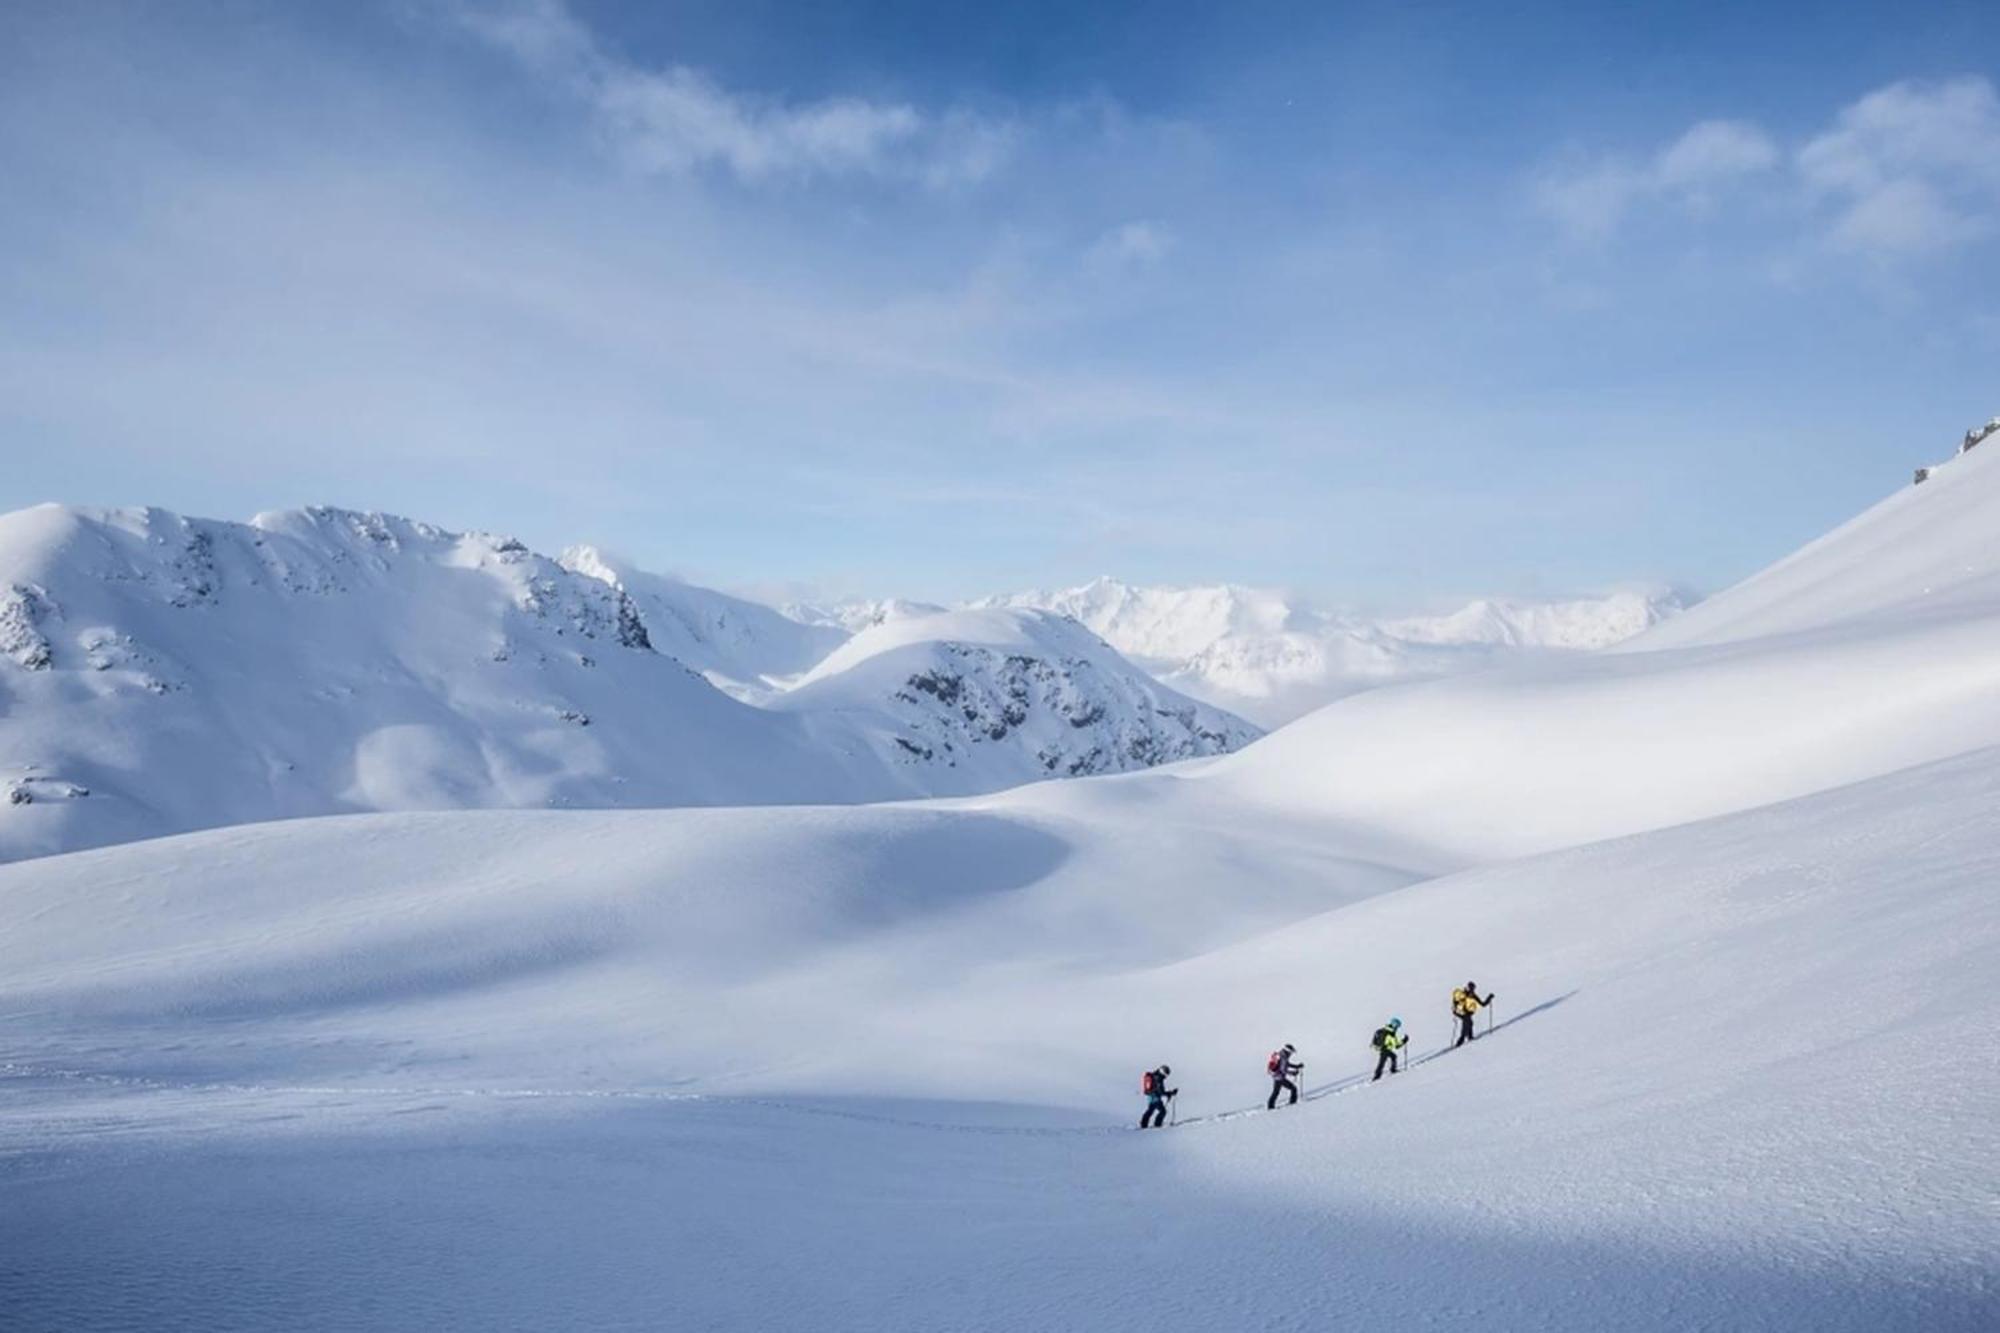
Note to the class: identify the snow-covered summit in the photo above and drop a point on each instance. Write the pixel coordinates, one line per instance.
(948, 688)
(187, 672)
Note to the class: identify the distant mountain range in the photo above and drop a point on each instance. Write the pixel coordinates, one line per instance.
(1272, 658)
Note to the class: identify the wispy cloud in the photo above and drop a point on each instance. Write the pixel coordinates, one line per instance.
(1137, 244)
(1909, 168)
(1712, 154)
(675, 120)
(1590, 198)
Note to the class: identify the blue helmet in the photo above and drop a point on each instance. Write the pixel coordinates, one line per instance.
(1395, 1022)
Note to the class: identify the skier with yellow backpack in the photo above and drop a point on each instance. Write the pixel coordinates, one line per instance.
(1465, 1002)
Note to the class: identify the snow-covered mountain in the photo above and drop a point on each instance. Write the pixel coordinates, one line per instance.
(1732, 885)
(1169, 625)
(1272, 658)
(741, 647)
(960, 692)
(857, 614)
(1585, 624)
(161, 673)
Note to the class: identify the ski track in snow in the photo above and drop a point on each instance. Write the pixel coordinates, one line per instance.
(27, 1073)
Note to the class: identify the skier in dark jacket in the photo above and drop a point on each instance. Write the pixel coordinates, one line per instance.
(1466, 1002)
(1388, 1040)
(1281, 1068)
(1154, 1085)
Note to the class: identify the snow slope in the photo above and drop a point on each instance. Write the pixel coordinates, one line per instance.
(714, 1068)
(1868, 651)
(1926, 552)
(587, 1068)
(161, 673)
(1271, 658)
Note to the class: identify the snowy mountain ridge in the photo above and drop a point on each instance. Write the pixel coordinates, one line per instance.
(744, 648)
(325, 660)
(857, 614)
(160, 673)
(1271, 657)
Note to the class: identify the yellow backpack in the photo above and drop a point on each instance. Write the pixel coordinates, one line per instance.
(1461, 1003)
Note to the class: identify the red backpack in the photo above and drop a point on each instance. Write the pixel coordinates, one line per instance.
(1275, 1064)
(1149, 1082)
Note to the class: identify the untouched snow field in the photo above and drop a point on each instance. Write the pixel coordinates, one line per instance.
(875, 1067)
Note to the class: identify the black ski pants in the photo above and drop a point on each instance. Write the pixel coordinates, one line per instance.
(1279, 1085)
(1465, 1032)
(1156, 1114)
(1386, 1058)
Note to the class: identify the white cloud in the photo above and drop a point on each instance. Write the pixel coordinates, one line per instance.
(1135, 244)
(1903, 216)
(1588, 201)
(676, 120)
(1714, 153)
(1911, 167)
(1591, 198)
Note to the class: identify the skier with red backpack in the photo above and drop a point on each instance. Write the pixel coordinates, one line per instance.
(1281, 1067)
(1153, 1084)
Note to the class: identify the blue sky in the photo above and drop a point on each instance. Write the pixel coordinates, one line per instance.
(1391, 303)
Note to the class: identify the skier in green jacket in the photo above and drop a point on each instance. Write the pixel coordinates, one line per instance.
(1389, 1039)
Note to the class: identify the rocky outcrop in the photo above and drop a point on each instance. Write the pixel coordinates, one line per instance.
(22, 607)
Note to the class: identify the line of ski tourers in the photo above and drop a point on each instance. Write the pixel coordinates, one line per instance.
(1282, 1068)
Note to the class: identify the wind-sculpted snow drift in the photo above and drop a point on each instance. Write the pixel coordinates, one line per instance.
(878, 1064)
(161, 673)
